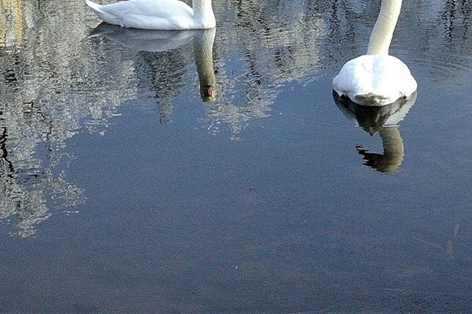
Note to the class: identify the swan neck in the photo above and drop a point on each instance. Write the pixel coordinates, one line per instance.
(202, 7)
(203, 49)
(382, 32)
(393, 147)
(203, 13)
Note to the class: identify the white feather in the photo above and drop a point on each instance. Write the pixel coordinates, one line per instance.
(377, 79)
(157, 14)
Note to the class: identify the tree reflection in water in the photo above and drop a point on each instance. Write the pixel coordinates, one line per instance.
(42, 85)
(27, 184)
(54, 83)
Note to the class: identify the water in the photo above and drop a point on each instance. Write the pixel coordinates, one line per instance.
(124, 191)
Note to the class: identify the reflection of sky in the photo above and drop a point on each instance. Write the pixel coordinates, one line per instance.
(283, 47)
(287, 215)
(435, 38)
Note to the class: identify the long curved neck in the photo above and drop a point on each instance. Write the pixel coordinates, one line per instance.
(382, 32)
(203, 49)
(202, 9)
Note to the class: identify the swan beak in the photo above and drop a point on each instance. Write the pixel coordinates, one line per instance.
(208, 93)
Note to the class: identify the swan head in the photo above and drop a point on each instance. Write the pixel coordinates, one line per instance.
(208, 92)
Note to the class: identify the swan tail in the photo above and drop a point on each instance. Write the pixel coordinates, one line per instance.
(105, 16)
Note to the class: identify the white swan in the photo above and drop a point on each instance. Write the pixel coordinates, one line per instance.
(157, 14)
(377, 79)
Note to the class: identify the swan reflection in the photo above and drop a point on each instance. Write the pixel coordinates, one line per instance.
(253, 63)
(159, 41)
(382, 119)
(143, 40)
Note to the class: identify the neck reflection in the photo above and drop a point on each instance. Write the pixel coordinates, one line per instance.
(381, 119)
(168, 41)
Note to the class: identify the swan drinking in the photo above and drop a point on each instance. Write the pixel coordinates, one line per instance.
(157, 14)
(377, 79)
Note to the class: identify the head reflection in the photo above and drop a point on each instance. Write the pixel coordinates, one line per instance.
(382, 119)
(159, 41)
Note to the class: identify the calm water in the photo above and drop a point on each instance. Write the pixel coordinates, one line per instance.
(125, 189)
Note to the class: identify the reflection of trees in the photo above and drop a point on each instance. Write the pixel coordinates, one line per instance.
(252, 72)
(53, 81)
(261, 45)
(44, 83)
(164, 72)
(11, 22)
(282, 48)
(456, 19)
(28, 181)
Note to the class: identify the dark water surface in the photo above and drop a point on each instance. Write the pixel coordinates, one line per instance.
(122, 190)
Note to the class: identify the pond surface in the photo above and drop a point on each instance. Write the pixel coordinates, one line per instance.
(213, 171)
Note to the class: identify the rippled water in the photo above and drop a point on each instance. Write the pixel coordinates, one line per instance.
(213, 171)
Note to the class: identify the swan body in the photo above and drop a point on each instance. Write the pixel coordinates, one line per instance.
(377, 78)
(157, 14)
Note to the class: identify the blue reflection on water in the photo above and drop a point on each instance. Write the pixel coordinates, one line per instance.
(257, 201)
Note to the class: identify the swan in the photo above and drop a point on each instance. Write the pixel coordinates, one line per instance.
(157, 14)
(377, 78)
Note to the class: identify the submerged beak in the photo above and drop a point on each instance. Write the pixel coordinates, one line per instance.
(208, 93)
